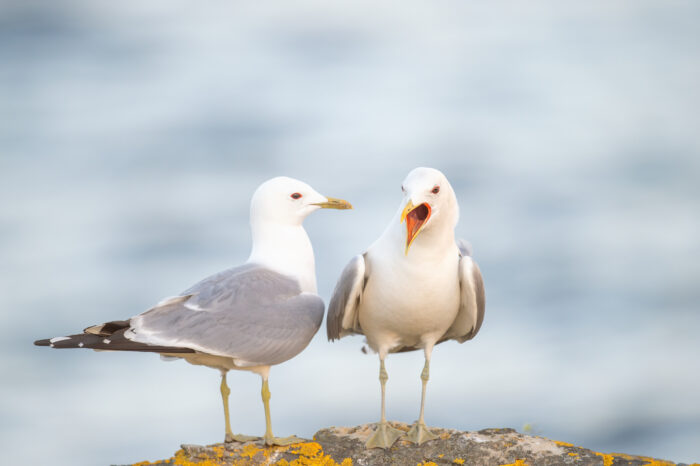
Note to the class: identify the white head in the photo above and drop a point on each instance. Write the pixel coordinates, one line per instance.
(429, 202)
(277, 210)
(287, 201)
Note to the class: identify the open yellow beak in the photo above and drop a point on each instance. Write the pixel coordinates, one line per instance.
(415, 218)
(333, 203)
(409, 207)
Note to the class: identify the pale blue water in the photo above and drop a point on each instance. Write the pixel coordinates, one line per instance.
(132, 135)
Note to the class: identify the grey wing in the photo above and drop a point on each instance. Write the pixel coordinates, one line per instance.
(343, 316)
(472, 302)
(249, 313)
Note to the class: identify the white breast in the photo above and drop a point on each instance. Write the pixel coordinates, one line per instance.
(409, 300)
(287, 250)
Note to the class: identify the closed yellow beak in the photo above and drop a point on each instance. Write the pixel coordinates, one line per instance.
(333, 203)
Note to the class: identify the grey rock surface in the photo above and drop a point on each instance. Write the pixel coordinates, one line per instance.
(346, 446)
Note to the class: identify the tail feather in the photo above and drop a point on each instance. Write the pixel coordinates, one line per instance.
(108, 328)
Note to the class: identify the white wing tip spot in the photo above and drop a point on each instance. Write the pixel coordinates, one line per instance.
(107, 341)
(171, 300)
(57, 339)
(81, 344)
(193, 307)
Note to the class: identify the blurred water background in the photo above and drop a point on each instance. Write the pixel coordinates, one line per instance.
(132, 135)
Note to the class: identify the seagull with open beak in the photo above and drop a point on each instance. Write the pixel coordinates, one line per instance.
(413, 288)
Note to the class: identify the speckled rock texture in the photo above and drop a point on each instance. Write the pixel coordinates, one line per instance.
(345, 446)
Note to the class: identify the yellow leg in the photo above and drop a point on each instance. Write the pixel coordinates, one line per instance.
(385, 435)
(383, 379)
(266, 395)
(424, 376)
(419, 432)
(269, 438)
(225, 392)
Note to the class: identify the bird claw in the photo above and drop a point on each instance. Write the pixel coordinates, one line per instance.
(419, 434)
(283, 441)
(230, 438)
(384, 436)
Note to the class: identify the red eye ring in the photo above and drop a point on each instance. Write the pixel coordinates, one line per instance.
(296, 196)
(436, 190)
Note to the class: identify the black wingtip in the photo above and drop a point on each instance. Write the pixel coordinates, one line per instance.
(45, 342)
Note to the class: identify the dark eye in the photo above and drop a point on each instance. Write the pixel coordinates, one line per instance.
(296, 196)
(436, 190)
(403, 189)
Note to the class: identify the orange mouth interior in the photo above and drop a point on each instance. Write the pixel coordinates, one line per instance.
(415, 221)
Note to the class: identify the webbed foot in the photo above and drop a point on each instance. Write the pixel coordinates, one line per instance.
(240, 438)
(384, 436)
(419, 434)
(283, 441)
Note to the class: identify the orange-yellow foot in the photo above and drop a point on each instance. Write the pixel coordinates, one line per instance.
(384, 436)
(419, 434)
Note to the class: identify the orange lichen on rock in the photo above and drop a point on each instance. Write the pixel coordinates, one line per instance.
(649, 461)
(251, 450)
(310, 449)
(563, 444)
(653, 462)
(476, 448)
(518, 462)
(607, 459)
(181, 459)
(219, 451)
(311, 454)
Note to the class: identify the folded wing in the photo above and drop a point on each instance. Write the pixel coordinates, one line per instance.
(249, 313)
(472, 299)
(343, 317)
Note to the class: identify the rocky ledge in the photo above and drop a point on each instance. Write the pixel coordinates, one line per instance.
(345, 446)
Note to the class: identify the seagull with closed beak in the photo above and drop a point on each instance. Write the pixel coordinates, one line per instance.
(249, 317)
(413, 288)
